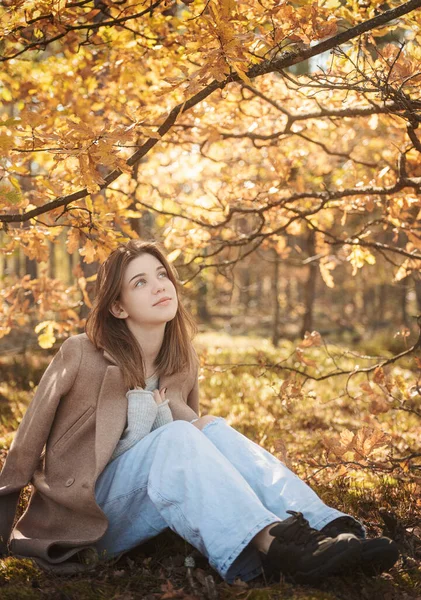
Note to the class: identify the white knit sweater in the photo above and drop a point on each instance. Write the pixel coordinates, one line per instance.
(143, 416)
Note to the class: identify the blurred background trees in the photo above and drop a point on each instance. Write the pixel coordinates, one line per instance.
(277, 160)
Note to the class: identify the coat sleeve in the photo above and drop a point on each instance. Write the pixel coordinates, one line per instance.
(32, 434)
(193, 397)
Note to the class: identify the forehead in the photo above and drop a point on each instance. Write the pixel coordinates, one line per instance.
(145, 263)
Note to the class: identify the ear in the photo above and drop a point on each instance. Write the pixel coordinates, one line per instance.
(118, 311)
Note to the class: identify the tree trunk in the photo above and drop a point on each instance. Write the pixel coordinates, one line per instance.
(201, 301)
(310, 286)
(275, 296)
(70, 266)
(381, 308)
(403, 288)
(368, 312)
(88, 270)
(52, 262)
(245, 288)
(417, 282)
(16, 262)
(288, 295)
(31, 267)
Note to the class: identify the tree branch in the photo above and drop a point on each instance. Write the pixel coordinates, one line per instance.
(88, 26)
(286, 59)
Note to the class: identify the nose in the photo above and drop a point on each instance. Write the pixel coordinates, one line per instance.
(159, 286)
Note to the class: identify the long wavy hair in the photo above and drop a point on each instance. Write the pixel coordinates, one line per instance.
(111, 334)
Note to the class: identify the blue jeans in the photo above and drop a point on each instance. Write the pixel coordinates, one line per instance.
(214, 487)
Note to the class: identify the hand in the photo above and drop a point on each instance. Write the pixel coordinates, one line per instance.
(159, 395)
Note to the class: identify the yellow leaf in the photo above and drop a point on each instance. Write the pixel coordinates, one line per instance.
(148, 132)
(306, 361)
(88, 251)
(7, 95)
(72, 241)
(47, 338)
(325, 271)
(72, 314)
(331, 4)
(15, 183)
(346, 437)
(82, 284)
(6, 142)
(242, 75)
(60, 5)
(311, 339)
(41, 326)
(132, 214)
(172, 256)
(358, 256)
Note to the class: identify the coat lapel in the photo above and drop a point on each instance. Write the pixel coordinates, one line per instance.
(111, 414)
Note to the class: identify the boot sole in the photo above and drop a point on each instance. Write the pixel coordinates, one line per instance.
(377, 556)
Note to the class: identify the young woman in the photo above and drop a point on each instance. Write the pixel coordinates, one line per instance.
(116, 452)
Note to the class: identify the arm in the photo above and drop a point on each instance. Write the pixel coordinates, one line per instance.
(164, 415)
(31, 437)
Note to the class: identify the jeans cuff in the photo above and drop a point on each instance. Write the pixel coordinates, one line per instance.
(225, 567)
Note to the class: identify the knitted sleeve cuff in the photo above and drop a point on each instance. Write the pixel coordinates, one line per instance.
(141, 413)
(164, 415)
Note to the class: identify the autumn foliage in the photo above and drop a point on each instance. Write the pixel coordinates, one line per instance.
(273, 147)
(210, 126)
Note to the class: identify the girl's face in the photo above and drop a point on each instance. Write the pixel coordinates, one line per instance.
(148, 297)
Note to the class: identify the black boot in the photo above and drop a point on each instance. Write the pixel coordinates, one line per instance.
(378, 554)
(305, 555)
(343, 525)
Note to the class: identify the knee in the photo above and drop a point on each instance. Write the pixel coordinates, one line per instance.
(200, 423)
(179, 425)
(183, 430)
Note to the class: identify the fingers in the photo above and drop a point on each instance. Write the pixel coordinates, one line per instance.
(159, 395)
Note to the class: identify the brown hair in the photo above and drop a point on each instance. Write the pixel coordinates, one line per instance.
(111, 334)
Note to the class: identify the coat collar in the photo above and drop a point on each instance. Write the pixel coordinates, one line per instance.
(109, 357)
(164, 380)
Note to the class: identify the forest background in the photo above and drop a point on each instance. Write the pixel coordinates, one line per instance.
(273, 148)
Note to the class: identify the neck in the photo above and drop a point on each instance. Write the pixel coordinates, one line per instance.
(150, 341)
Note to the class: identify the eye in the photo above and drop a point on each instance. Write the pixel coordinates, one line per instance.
(142, 281)
(163, 274)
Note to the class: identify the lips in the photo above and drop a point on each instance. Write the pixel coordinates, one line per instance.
(162, 300)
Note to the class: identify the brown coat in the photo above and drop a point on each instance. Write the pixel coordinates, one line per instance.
(64, 442)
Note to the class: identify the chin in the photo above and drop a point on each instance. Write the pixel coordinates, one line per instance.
(173, 315)
(169, 315)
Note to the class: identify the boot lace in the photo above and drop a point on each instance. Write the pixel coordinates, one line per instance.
(299, 531)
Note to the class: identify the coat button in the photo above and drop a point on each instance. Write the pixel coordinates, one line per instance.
(69, 482)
